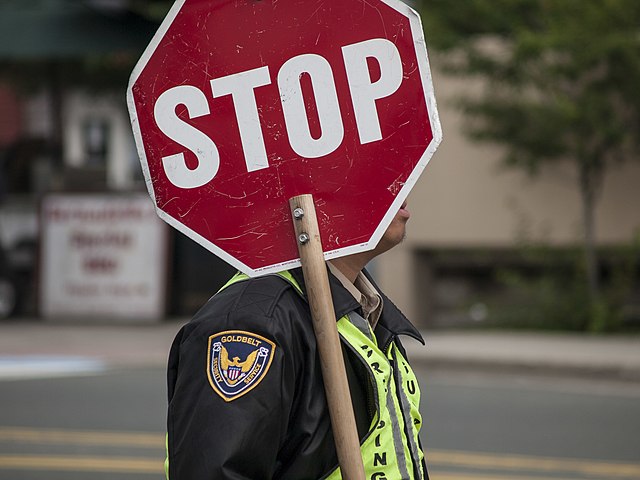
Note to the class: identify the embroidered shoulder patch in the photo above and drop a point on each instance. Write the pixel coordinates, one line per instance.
(237, 361)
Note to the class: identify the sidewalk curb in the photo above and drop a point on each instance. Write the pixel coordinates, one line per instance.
(118, 345)
(605, 357)
(480, 365)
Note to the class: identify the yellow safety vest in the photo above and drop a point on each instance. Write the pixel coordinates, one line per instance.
(390, 451)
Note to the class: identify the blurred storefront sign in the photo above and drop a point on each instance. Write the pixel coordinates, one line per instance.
(102, 257)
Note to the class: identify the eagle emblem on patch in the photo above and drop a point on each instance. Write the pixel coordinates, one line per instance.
(237, 361)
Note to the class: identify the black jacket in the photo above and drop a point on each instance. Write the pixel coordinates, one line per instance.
(280, 429)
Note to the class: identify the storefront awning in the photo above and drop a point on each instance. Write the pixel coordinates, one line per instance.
(67, 29)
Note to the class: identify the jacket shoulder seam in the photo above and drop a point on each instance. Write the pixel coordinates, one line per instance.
(272, 295)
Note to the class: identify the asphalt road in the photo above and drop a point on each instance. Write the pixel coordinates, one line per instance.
(499, 427)
(110, 425)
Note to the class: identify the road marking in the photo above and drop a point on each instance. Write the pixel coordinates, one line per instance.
(27, 367)
(82, 437)
(533, 463)
(82, 464)
(438, 475)
(437, 459)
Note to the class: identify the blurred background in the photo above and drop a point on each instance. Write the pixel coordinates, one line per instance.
(521, 266)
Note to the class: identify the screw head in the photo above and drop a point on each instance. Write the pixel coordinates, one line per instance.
(298, 213)
(303, 238)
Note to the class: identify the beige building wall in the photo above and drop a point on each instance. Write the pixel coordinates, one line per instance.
(466, 199)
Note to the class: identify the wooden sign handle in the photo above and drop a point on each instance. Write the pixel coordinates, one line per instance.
(334, 374)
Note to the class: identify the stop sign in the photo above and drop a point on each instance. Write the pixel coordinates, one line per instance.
(237, 106)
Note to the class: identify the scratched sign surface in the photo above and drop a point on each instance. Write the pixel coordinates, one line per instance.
(239, 105)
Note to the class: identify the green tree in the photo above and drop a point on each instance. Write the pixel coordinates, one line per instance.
(561, 83)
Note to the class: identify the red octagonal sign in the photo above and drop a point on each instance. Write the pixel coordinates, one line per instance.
(239, 105)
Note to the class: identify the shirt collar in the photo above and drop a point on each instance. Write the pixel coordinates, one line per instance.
(364, 292)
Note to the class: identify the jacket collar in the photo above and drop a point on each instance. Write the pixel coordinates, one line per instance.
(392, 321)
(343, 301)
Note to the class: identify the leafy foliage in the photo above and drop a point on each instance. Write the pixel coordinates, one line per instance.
(555, 295)
(561, 76)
